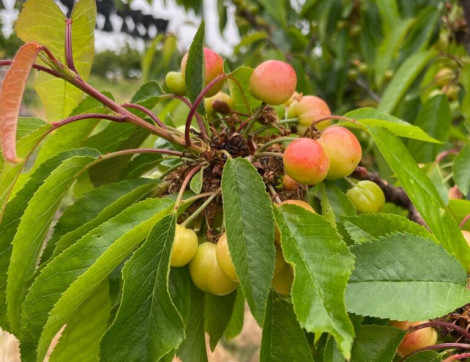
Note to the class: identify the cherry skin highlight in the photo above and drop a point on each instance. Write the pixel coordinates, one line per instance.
(414, 340)
(214, 66)
(343, 150)
(206, 273)
(309, 109)
(306, 161)
(184, 246)
(273, 82)
(225, 259)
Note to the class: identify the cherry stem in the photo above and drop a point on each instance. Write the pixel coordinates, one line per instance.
(438, 346)
(80, 117)
(35, 66)
(146, 111)
(444, 154)
(68, 45)
(274, 193)
(185, 183)
(274, 141)
(448, 325)
(186, 101)
(252, 121)
(132, 151)
(268, 154)
(194, 107)
(462, 223)
(196, 213)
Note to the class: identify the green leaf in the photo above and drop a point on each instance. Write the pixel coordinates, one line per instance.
(74, 134)
(237, 319)
(33, 227)
(120, 138)
(250, 39)
(243, 101)
(376, 343)
(404, 77)
(423, 194)
(68, 280)
(148, 58)
(283, 338)
(196, 181)
(371, 117)
(250, 231)
(141, 164)
(42, 21)
(81, 339)
(336, 201)
(195, 69)
(28, 134)
(193, 348)
(276, 9)
(405, 277)
(461, 170)
(464, 79)
(148, 95)
(95, 208)
(460, 208)
(217, 313)
(15, 210)
(435, 119)
(370, 227)
(147, 325)
(392, 41)
(322, 266)
(180, 291)
(425, 356)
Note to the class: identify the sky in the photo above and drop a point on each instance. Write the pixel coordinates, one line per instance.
(182, 24)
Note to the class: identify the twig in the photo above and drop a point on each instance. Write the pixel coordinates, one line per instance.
(68, 45)
(185, 183)
(194, 107)
(80, 117)
(396, 195)
(146, 111)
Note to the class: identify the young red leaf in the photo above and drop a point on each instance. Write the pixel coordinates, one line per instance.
(11, 94)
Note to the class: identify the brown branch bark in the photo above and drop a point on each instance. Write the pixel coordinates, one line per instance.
(393, 194)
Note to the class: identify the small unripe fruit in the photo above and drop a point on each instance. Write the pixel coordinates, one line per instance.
(367, 197)
(444, 77)
(414, 340)
(214, 66)
(224, 258)
(184, 246)
(206, 273)
(289, 183)
(306, 161)
(282, 281)
(309, 109)
(219, 97)
(273, 82)
(343, 150)
(175, 83)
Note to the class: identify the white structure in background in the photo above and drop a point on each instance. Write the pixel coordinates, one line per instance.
(182, 24)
